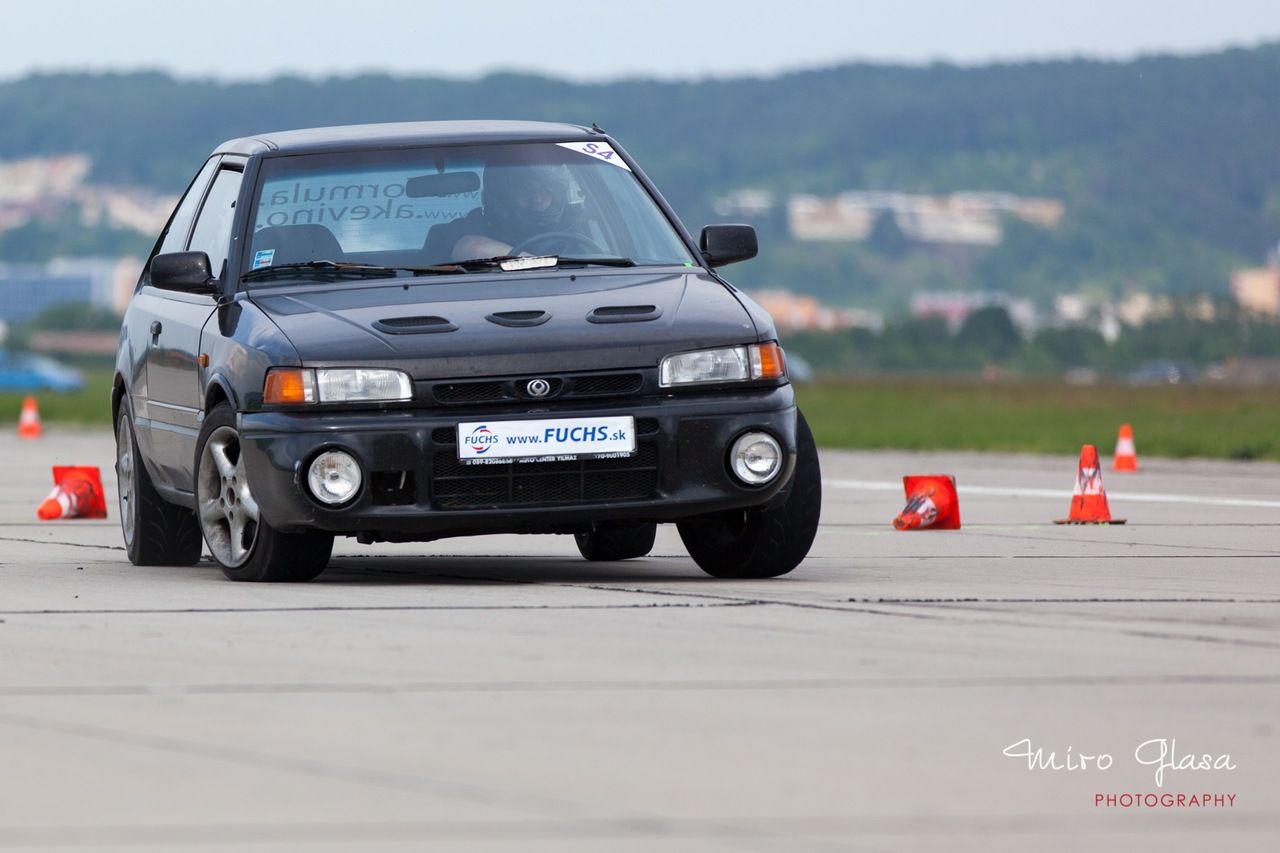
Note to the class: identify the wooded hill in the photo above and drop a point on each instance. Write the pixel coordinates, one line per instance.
(1168, 166)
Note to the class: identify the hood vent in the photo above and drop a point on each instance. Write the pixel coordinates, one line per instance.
(414, 325)
(624, 314)
(518, 319)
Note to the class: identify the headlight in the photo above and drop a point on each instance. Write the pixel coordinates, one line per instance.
(292, 385)
(730, 364)
(344, 385)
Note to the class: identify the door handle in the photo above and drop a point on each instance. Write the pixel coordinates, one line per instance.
(155, 328)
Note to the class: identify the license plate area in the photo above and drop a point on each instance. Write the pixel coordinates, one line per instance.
(546, 440)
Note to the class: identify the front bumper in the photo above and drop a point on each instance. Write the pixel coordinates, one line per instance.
(414, 488)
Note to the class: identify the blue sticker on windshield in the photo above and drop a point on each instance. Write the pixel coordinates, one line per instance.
(263, 258)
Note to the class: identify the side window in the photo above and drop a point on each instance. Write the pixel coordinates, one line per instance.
(212, 234)
(175, 238)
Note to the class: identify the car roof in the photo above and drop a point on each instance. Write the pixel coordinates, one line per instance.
(402, 134)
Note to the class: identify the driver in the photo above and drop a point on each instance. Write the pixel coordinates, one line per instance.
(524, 196)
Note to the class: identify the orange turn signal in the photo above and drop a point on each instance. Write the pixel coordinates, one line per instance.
(288, 386)
(767, 362)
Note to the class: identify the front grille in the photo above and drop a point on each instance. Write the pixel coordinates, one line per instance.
(470, 392)
(458, 486)
(565, 386)
(600, 386)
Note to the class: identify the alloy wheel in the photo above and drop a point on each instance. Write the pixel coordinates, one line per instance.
(126, 477)
(227, 509)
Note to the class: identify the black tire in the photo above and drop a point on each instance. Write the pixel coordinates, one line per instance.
(609, 542)
(253, 550)
(156, 532)
(762, 542)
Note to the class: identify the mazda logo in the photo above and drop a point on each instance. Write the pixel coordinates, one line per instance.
(538, 388)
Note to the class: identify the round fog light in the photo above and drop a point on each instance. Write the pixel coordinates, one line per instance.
(334, 477)
(756, 458)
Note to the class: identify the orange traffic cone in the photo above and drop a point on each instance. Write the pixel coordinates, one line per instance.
(29, 420)
(77, 493)
(931, 503)
(1126, 458)
(1089, 499)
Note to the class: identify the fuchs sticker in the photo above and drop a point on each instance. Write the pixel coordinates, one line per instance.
(263, 258)
(558, 438)
(599, 150)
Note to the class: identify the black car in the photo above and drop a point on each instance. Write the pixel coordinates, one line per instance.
(405, 332)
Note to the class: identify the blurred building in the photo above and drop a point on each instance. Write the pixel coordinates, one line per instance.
(1078, 309)
(819, 218)
(1248, 371)
(129, 209)
(1257, 290)
(75, 343)
(44, 187)
(968, 219)
(796, 312)
(748, 204)
(1135, 309)
(955, 308)
(26, 290)
(36, 178)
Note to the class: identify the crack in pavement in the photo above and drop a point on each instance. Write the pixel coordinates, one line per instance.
(842, 608)
(1075, 556)
(710, 600)
(1039, 600)
(887, 529)
(804, 605)
(1095, 627)
(56, 542)
(569, 811)
(371, 608)
(449, 789)
(938, 617)
(1244, 552)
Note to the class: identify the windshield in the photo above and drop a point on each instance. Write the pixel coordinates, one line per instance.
(440, 207)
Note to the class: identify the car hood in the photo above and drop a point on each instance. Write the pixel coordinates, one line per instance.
(490, 325)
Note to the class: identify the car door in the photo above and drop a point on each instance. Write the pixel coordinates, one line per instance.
(173, 373)
(147, 311)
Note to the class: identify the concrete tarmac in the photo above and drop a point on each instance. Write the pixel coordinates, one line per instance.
(501, 694)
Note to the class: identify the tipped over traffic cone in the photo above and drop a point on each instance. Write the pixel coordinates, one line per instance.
(29, 420)
(1126, 458)
(931, 503)
(77, 493)
(1089, 499)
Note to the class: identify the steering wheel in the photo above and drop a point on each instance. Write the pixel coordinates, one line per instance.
(557, 239)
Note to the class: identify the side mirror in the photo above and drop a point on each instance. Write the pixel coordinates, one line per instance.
(728, 244)
(183, 271)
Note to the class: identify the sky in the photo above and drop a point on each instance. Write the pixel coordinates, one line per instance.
(597, 39)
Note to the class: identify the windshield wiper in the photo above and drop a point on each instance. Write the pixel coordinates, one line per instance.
(508, 263)
(600, 261)
(346, 269)
(512, 263)
(336, 269)
(482, 263)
